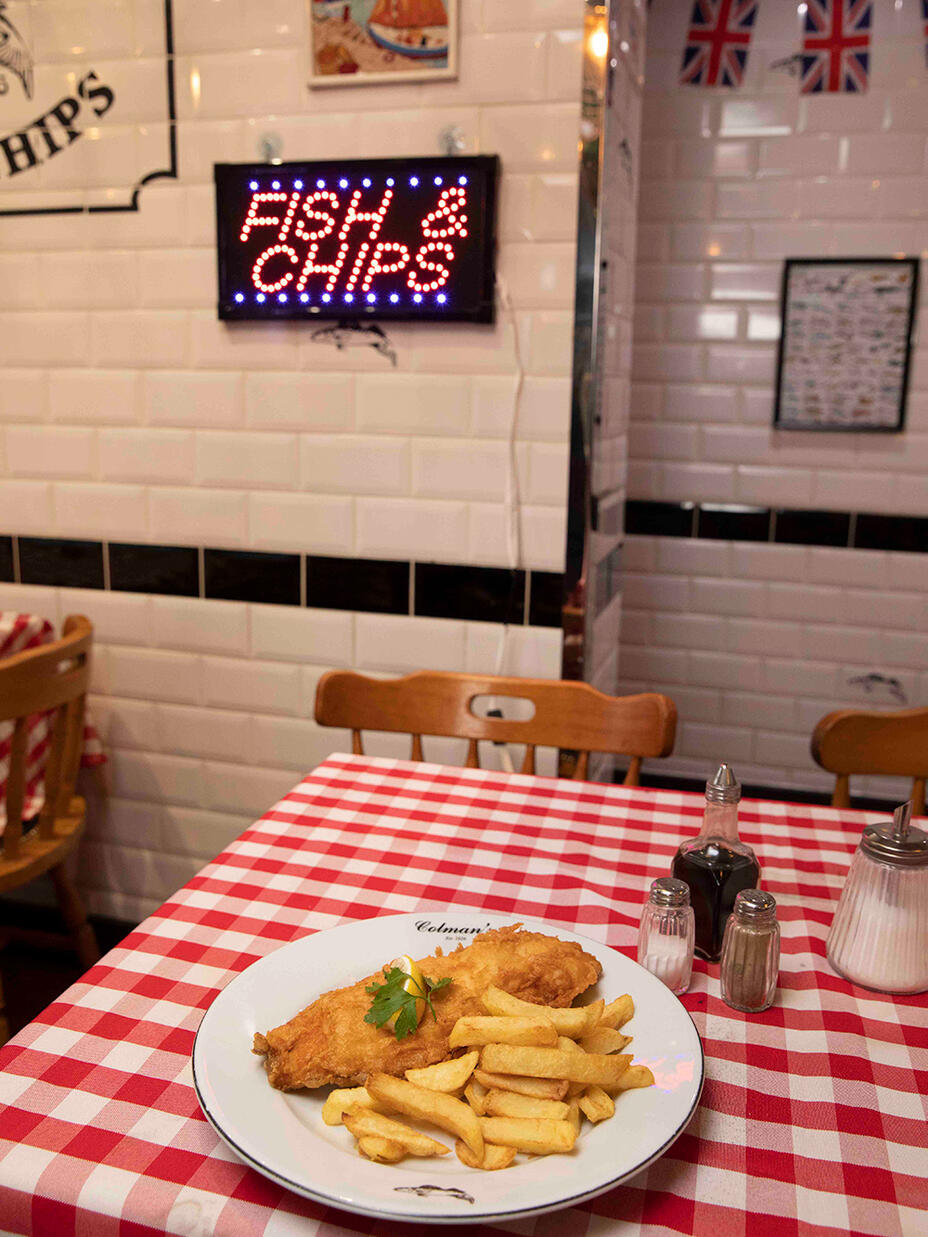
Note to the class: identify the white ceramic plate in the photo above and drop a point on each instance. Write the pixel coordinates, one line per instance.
(283, 1136)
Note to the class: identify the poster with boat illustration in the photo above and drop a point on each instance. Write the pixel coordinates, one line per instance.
(353, 42)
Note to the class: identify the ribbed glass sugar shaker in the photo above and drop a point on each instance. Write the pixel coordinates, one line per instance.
(750, 960)
(665, 937)
(879, 934)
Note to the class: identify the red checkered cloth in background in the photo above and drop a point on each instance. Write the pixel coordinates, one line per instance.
(19, 632)
(813, 1117)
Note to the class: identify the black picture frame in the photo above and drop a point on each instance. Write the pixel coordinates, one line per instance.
(845, 344)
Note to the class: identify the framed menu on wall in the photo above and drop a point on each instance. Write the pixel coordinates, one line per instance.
(845, 343)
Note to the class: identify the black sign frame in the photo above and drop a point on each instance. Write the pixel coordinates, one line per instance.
(901, 340)
(232, 178)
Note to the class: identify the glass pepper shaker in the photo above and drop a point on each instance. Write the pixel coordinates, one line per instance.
(751, 952)
(665, 937)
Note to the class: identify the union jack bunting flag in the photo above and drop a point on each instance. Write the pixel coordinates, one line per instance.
(836, 46)
(716, 50)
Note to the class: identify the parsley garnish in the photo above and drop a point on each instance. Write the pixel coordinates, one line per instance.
(392, 998)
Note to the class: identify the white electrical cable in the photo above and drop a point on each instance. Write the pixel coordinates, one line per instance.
(513, 512)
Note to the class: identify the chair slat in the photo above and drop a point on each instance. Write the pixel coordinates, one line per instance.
(15, 790)
(53, 772)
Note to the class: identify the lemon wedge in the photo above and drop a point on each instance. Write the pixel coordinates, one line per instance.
(414, 984)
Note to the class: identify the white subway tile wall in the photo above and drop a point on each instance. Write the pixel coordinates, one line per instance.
(756, 642)
(129, 413)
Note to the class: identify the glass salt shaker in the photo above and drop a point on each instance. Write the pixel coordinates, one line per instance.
(751, 952)
(879, 934)
(665, 937)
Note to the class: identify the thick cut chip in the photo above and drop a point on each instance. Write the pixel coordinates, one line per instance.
(572, 1022)
(380, 1149)
(596, 1104)
(494, 1156)
(442, 1110)
(540, 1088)
(446, 1075)
(476, 1029)
(634, 1076)
(476, 1095)
(569, 1045)
(530, 1134)
(604, 1039)
(618, 1012)
(508, 1104)
(581, 1066)
(342, 1099)
(363, 1122)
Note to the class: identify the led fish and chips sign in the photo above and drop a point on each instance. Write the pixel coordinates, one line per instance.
(387, 238)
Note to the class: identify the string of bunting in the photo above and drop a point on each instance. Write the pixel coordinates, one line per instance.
(834, 54)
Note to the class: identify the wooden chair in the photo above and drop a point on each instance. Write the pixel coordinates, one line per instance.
(571, 716)
(52, 677)
(857, 741)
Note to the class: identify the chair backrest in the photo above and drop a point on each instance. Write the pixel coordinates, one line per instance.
(571, 716)
(894, 743)
(50, 679)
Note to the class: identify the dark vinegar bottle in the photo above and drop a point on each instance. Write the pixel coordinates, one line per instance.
(716, 865)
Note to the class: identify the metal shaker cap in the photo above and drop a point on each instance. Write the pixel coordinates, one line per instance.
(754, 904)
(900, 843)
(668, 891)
(724, 787)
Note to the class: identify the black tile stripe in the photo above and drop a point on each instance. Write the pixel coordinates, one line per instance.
(785, 526)
(61, 563)
(378, 586)
(168, 569)
(722, 523)
(243, 575)
(813, 528)
(659, 519)
(7, 567)
(892, 532)
(442, 590)
(546, 598)
(479, 594)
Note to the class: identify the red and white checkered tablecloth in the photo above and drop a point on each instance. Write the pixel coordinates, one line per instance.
(19, 632)
(813, 1117)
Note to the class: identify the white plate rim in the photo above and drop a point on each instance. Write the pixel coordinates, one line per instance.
(407, 1210)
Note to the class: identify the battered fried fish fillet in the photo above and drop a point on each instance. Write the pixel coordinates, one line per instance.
(329, 1042)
